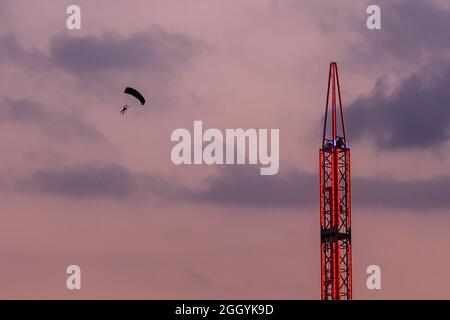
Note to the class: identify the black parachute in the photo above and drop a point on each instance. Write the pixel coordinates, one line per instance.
(136, 94)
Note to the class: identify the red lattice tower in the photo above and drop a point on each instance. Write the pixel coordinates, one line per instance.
(335, 223)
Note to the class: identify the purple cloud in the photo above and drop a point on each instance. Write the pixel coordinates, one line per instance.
(108, 181)
(12, 51)
(414, 115)
(56, 124)
(154, 50)
(86, 182)
(244, 187)
(403, 34)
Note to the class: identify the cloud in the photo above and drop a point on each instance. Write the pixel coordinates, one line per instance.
(56, 124)
(404, 33)
(415, 115)
(86, 182)
(12, 51)
(244, 187)
(412, 31)
(102, 181)
(154, 50)
(236, 187)
(411, 194)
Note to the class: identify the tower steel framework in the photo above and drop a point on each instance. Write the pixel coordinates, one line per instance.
(335, 197)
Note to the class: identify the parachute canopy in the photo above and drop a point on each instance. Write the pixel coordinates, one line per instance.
(136, 94)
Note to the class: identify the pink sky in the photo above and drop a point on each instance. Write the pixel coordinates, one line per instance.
(167, 232)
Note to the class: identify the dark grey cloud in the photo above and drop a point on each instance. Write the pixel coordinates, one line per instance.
(433, 193)
(57, 124)
(86, 182)
(102, 181)
(162, 187)
(241, 187)
(410, 28)
(12, 51)
(412, 31)
(153, 50)
(415, 115)
(245, 187)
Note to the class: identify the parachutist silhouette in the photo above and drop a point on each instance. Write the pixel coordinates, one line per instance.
(136, 94)
(125, 108)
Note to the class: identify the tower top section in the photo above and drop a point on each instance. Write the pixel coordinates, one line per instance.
(334, 131)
